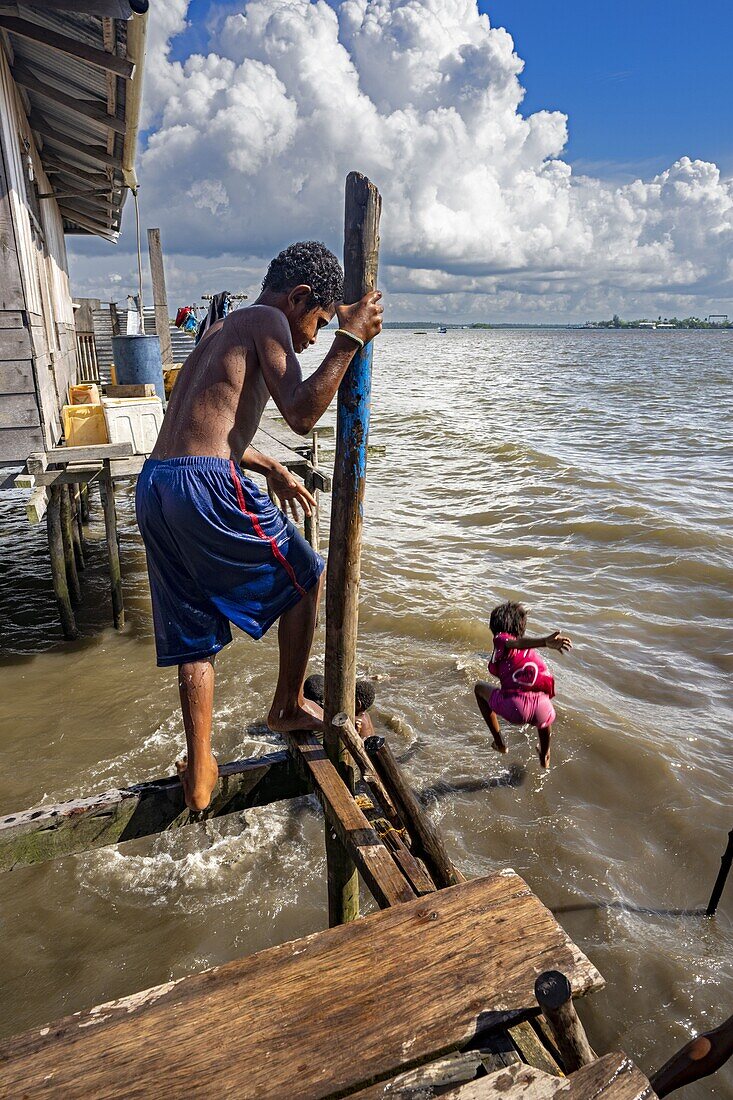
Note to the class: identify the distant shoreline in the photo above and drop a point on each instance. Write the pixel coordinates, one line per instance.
(595, 326)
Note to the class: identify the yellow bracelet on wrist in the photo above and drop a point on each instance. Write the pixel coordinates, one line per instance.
(351, 336)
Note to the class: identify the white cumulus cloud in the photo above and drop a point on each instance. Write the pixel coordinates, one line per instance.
(249, 146)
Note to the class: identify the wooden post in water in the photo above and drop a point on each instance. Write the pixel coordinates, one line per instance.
(555, 998)
(160, 297)
(107, 493)
(67, 534)
(311, 524)
(77, 531)
(361, 256)
(84, 502)
(58, 564)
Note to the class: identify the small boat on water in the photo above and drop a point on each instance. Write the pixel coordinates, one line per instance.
(442, 329)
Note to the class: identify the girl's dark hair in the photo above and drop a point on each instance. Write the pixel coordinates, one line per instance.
(309, 263)
(508, 618)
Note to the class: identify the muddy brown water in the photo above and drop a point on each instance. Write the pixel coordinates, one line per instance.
(587, 473)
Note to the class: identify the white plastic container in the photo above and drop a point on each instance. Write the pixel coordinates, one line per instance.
(135, 420)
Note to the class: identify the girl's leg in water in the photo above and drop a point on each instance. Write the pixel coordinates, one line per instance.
(483, 692)
(543, 748)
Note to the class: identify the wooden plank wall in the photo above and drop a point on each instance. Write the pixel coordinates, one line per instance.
(37, 339)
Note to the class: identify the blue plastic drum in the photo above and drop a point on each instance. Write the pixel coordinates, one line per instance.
(137, 360)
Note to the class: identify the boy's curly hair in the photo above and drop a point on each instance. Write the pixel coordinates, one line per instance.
(365, 694)
(310, 263)
(508, 618)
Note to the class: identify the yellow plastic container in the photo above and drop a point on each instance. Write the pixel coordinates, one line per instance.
(170, 377)
(85, 393)
(84, 425)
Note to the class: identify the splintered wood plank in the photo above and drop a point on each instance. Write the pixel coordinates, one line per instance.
(47, 832)
(319, 1016)
(614, 1077)
(376, 866)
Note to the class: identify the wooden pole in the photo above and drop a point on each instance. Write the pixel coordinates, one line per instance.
(426, 839)
(555, 998)
(361, 254)
(725, 864)
(77, 529)
(107, 493)
(58, 565)
(311, 524)
(84, 502)
(67, 534)
(114, 318)
(160, 298)
(698, 1058)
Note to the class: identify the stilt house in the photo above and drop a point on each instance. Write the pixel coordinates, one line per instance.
(70, 89)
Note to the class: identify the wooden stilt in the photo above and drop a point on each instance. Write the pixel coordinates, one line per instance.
(311, 524)
(67, 534)
(58, 565)
(427, 841)
(555, 998)
(84, 500)
(77, 530)
(361, 250)
(107, 493)
(160, 298)
(353, 742)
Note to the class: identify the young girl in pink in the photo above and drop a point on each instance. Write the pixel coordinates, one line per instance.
(527, 685)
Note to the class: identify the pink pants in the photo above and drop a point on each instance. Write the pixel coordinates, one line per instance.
(522, 707)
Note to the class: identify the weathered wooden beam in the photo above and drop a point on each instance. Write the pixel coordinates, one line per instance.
(344, 818)
(427, 841)
(70, 46)
(56, 167)
(361, 250)
(94, 110)
(49, 832)
(67, 532)
(92, 452)
(58, 565)
(70, 475)
(108, 232)
(107, 493)
(555, 997)
(37, 505)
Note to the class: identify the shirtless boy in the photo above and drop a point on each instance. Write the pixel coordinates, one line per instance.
(218, 549)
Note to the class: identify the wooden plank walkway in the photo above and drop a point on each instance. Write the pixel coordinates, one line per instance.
(317, 1017)
(48, 832)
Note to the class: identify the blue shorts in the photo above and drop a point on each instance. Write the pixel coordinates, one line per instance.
(218, 551)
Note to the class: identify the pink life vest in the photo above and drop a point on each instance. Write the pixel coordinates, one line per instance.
(520, 669)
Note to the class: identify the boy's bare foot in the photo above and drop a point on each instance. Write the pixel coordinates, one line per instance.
(499, 745)
(198, 792)
(303, 716)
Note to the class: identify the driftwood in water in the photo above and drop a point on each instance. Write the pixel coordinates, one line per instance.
(346, 821)
(697, 1059)
(37, 835)
(427, 841)
(555, 997)
(321, 1016)
(353, 742)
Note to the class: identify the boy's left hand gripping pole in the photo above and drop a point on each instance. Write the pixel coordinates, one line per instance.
(361, 255)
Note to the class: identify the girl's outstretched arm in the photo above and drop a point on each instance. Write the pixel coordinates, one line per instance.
(556, 640)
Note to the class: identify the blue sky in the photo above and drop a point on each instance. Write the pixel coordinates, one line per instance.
(642, 81)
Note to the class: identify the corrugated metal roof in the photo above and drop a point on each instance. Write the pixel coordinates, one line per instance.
(79, 154)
